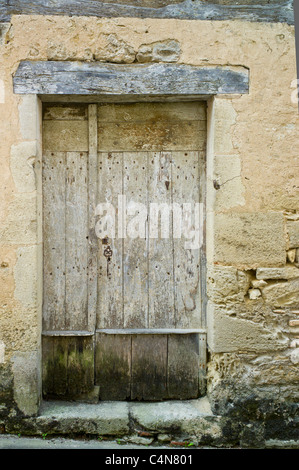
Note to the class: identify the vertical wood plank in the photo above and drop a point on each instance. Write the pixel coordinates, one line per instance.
(110, 268)
(186, 189)
(113, 366)
(80, 367)
(54, 240)
(76, 241)
(135, 255)
(60, 366)
(47, 366)
(161, 282)
(149, 367)
(92, 201)
(183, 364)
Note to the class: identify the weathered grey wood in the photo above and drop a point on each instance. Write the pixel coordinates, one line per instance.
(67, 333)
(113, 366)
(135, 253)
(92, 202)
(76, 232)
(259, 10)
(182, 366)
(186, 189)
(73, 112)
(65, 136)
(149, 331)
(52, 77)
(160, 264)
(149, 367)
(54, 176)
(116, 99)
(135, 316)
(110, 268)
(140, 112)
(152, 135)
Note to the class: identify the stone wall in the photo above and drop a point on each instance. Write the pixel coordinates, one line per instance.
(252, 200)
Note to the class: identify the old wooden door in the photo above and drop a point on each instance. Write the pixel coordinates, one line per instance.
(122, 303)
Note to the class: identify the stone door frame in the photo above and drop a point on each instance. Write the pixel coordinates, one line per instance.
(40, 82)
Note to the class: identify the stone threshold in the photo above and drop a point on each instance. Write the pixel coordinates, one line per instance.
(174, 423)
(177, 422)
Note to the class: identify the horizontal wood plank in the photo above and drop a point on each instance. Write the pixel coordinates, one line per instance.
(144, 112)
(65, 136)
(213, 10)
(75, 112)
(81, 78)
(151, 136)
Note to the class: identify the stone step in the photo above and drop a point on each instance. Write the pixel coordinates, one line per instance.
(163, 421)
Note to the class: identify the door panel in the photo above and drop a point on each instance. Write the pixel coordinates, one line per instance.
(122, 312)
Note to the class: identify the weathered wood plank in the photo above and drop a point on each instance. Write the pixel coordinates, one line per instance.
(183, 364)
(149, 367)
(74, 112)
(145, 331)
(151, 136)
(92, 202)
(81, 78)
(186, 189)
(160, 264)
(65, 136)
(249, 10)
(76, 233)
(80, 366)
(113, 366)
(60, 357)
(143, 112)
(68, 366)
(48, 366)
(110, 267)
(54, 176)
(135, 254)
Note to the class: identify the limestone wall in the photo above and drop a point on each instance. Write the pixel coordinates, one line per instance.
(252, 195)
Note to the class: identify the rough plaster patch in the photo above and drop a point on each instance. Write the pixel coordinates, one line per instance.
(20, 225)
(116, 51)
(21, 163)
(225, 118)
(160, 51)
(25, 274)
(228, 176)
